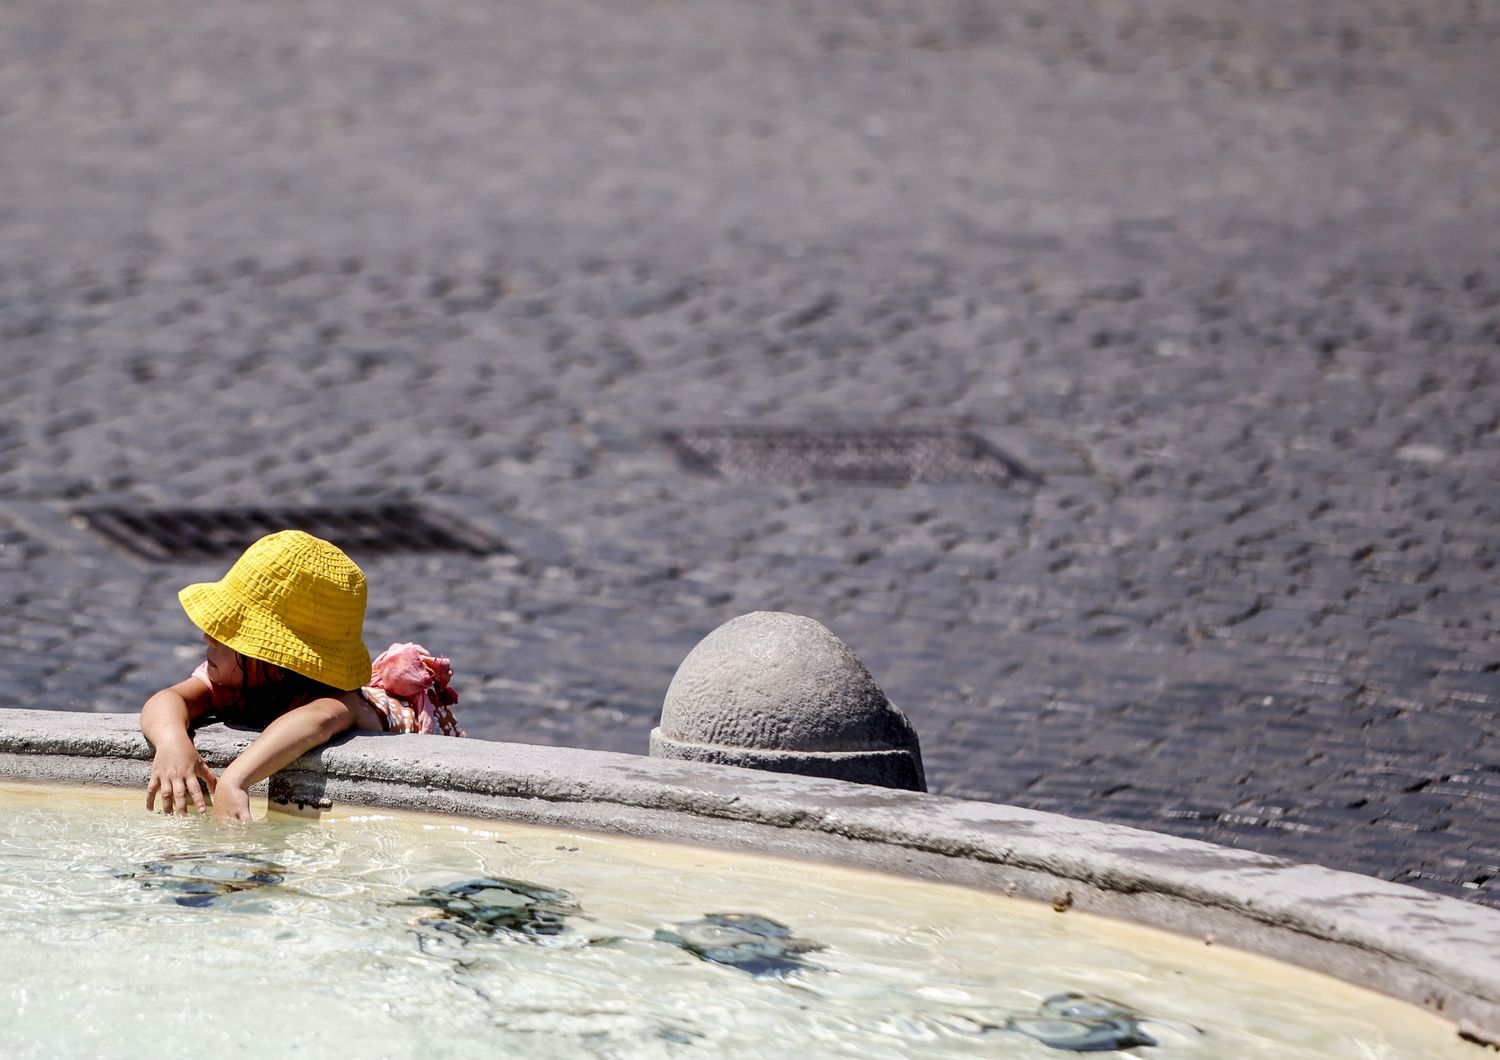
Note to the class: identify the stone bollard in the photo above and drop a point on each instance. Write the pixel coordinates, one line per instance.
(776, 691)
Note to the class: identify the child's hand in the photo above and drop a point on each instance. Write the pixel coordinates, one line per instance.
(179, 775)
(231, 802)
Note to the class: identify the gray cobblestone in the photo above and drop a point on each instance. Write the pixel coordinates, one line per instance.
(1253, 361)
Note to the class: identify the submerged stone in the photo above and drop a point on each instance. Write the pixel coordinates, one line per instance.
(500, 906)
(678, 1035)
(1086, 1007)
(1081, 1035)
(198, 878)
(754, 944)
(1085, 1023)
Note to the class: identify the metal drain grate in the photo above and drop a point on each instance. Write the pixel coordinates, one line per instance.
(199, 533)
(880, 457)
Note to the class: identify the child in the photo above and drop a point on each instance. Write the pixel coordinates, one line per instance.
(286, 654)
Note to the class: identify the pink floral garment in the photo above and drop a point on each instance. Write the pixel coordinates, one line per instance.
(409, 687)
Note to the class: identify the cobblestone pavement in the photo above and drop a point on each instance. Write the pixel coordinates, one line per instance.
(1227, 282)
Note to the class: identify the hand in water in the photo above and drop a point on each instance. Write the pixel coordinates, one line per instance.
(179, 776)
(231, 802)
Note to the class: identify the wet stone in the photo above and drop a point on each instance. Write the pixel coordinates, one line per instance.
(500, 907)
(200, 878)
(1083, 1023)
(753, 944)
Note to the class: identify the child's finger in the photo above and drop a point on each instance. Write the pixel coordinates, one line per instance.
(179, 798)
(197, 792)
(208, 777)
(151, 789)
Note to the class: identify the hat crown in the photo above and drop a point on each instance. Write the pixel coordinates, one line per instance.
(290, 570)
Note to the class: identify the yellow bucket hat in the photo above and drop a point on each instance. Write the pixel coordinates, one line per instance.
(292, 600)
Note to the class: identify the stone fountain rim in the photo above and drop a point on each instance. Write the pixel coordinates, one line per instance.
(1438, 953)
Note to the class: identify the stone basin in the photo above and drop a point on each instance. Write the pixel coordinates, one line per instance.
(1438, 953)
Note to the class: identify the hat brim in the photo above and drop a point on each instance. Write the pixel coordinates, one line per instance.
(240, 623)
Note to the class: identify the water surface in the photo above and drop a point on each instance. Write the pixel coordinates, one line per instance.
(376, 933)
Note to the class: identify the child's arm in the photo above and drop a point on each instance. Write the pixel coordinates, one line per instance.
(177, 772)
(283, 741)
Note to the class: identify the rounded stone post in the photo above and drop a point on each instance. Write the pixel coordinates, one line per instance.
(777, 691)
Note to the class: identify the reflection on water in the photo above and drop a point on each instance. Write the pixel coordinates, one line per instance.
(376, 933)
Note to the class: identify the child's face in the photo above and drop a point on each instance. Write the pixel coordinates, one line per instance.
(223, 664)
